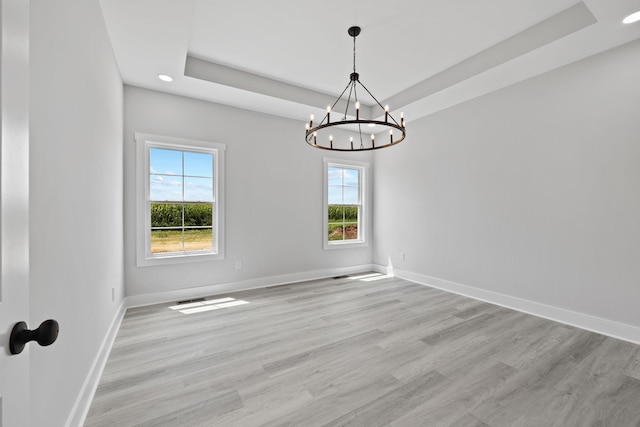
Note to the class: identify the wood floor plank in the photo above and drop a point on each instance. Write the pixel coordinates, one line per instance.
(468, 420)
(364, 350)
(461, 393)
(633, 368)
(394, 404)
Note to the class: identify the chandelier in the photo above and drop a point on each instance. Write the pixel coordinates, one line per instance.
(319, 135)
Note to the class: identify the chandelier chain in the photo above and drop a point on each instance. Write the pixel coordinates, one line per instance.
(354, 54)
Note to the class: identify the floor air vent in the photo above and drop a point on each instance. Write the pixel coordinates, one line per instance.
(189, 301)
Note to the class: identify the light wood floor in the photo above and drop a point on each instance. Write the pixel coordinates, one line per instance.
(345, 351)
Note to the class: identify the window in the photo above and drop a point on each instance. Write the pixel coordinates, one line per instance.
(344, 203)
(180, 200)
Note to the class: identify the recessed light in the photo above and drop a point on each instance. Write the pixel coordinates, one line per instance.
(165, 78)
(634, 17)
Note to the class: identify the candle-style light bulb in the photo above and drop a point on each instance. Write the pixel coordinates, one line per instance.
(315, 134)
(328, 114)
(331, 141)
(373, 140)
(306, 126)
(386, 113)
(358, 110)
(402, 119)
(311, 121)
(391, 136)
(351, 141)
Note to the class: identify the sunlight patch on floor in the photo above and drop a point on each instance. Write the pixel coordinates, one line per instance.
(370, 277)
(363, 276)
(208, 305)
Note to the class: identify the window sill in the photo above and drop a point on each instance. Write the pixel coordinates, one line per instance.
(179, 259)
(345, 245)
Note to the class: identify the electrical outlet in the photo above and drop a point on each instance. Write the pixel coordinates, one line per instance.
(238, 265)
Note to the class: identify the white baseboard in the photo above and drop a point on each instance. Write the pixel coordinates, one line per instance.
(243, 285)
(83, 401)
(588, 322)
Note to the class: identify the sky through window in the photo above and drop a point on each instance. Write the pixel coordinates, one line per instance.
(176, 175)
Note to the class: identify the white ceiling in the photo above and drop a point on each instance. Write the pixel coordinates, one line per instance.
(293, 57)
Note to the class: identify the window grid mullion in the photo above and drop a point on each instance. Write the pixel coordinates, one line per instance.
(350, 189)
(182, 228)
(183, 184)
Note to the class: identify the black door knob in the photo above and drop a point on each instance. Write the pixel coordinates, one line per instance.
(45, 334)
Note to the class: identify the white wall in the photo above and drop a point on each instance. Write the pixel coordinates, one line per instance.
(76, 202)
(530, 192)
(273, 194)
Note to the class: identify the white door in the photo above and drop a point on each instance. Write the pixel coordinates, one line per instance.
(14, 208)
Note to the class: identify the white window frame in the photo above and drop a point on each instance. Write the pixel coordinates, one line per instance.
(144, 142)
(364, 204)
